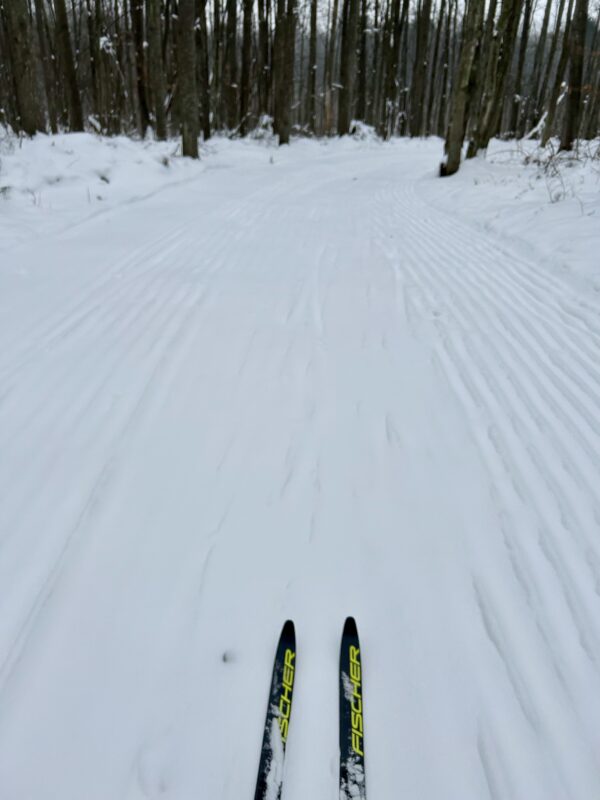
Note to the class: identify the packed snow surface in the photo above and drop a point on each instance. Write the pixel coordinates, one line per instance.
(302, 383)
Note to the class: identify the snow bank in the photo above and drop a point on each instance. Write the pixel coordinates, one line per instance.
(544, 205)
(49, 183)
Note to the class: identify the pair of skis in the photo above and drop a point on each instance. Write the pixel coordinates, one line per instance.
(352, 750)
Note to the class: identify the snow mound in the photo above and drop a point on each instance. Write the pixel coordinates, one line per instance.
(78, 175)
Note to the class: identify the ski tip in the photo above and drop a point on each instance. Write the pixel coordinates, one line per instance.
(288, 631)
(350, 628)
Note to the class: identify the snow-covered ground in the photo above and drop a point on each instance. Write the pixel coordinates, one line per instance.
(299, 384)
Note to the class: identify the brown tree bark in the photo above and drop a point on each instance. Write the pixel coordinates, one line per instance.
(285, 48)
(361, 95)
(531, 110)
(186, 78)
(429, 124)
(576, 52)
(517, 100)
(460, 100)
(558, 78)
(68, 65)
(329, 69)
(441, 124)
(137, 26)
(347, 65)
(392, 33)
(500, 59)
(29, 108)
(246, 67)
(48, 65)
(312, 69)
(203, 70)
(230, 70)
(417, 94)
(541, 95)
(263, 59)
(156, 70)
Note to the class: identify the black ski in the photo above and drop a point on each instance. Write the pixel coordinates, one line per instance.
(270, 771)
(352, 738)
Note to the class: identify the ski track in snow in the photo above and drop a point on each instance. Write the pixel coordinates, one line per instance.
(298, 391)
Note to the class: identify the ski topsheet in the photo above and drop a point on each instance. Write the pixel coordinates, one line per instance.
(270, 771)
(352, 739)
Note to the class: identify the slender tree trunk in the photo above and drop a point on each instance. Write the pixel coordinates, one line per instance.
(401, 116)
(31, 117)
(284, 68)
(501, 56)
(312, 68)
(329, 69)
(429, 124)
(441, 116)
(246, 66)
(389, 77)
(517, 99)
(186, 78)
(456, 128)
(68, 64)
(361, 99)
(263, 65)
(156, 72)
(217, 70)
(137, 25)
(372, 105)
(348, 64)
(531, 109)
(202, 68)
(230, 77)
(48, 65)
(558, 78)
(417, 101)
(576, 52)
(547, 72)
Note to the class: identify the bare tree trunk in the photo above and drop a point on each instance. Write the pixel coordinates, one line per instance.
(558, 79)
(372, 84)
(500, 59)
(417, 93)
(68, 64)
(156, 71)
(517, 100)
(441, 117)
(576, 50)
(531, 110)
(348, 64)
(329, 68)
(246, 66)
(263, 65)
(312, 68)
(203, 69)
(429, 126)
(30, 113)
(217, 66)
(285, 44)
(186, 78)
(361, 99)
(456, 128)
(137, 24)
(401, 120)
(391, 51)
(591, 116)
(48, 65)
(230, 88)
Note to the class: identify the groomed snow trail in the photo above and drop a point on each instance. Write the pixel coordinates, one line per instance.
(296, 390)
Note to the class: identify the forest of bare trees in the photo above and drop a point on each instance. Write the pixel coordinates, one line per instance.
(464, 71)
